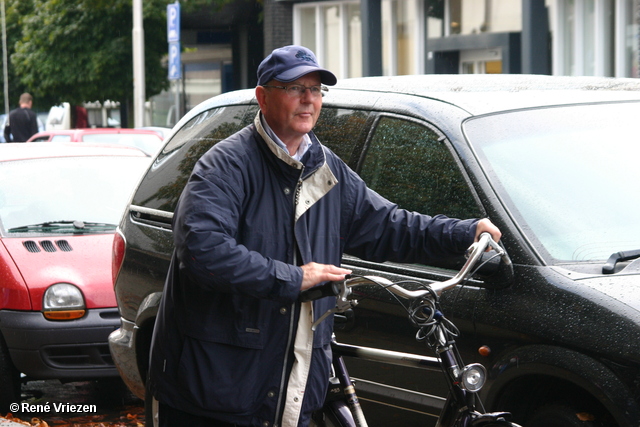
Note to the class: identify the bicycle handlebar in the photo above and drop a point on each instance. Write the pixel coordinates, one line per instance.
(329, 289)
(474, 253)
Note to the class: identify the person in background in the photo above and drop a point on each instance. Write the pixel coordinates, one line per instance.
(267, 213)
(22, 122)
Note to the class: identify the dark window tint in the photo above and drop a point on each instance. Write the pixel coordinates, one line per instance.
(161, 187)
(409, 164)
(41, 139)
(341, 130)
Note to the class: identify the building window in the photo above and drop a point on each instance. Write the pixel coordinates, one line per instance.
(594, 37)
(449, 17)
(627, 50)
(401, 32)
(481, 61)
(307, 28)
(332, 30)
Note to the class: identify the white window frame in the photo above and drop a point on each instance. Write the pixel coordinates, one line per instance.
(479, 58)
(320, 26)
(344, 71)
(419, 45)
(607, 63)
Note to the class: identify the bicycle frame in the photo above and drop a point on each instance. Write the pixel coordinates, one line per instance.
(353, 416)
(462, 407)
(342, 390)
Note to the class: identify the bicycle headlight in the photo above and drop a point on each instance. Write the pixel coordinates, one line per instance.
(473, 377)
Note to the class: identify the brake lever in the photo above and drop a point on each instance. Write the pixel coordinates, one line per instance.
(343, 303)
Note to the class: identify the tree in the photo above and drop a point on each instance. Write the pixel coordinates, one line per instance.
(15, 10)
(81, 50)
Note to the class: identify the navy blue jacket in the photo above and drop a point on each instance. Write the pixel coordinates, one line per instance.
(248, 217)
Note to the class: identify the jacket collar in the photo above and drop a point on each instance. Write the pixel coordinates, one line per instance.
(278, 151)
(316, 183)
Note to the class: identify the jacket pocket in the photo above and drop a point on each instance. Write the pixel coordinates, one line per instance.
(228, 319)
(216, 376)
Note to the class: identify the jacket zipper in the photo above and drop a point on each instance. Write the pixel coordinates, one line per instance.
(292, 318)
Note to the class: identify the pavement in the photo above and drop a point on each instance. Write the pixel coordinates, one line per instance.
(8, 423)
(81, 403)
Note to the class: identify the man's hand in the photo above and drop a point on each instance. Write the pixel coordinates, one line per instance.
(485, 225)
(315, 273)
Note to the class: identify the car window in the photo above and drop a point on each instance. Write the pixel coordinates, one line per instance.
(341, 130)
(60, 138)
(41, 139)
(164, 182)
(568, 175)
(411, 165)
(91, 189)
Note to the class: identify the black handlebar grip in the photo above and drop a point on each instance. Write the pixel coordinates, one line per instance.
(329, 289)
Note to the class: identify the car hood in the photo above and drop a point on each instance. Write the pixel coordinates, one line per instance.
(84, 261)
(623, 287)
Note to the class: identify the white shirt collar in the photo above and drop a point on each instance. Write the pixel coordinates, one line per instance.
(304, 145)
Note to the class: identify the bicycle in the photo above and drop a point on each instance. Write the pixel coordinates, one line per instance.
(463, 407)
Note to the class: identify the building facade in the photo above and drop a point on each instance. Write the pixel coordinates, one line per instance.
(355, 38)
(221, 49)
(391, 37)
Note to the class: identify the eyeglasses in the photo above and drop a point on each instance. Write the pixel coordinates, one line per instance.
(297, 91)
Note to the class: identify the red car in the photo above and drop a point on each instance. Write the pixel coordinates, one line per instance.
(149, 141)
(59, 207)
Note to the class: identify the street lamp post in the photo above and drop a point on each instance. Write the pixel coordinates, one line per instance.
(138, 65)
(5, 68)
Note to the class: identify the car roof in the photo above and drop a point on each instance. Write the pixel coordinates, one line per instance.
(22, 151)
(487, 93)
(100, 130)
(475, 93)
(86, 131)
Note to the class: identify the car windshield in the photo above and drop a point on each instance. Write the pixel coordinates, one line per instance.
(66, 194)
(568, 175)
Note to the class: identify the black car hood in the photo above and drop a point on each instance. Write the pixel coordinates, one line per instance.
(623, 287)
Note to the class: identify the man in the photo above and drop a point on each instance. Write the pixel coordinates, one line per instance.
(266, 213)
(22, 122)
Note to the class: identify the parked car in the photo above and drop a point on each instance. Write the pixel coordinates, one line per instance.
(59, 208)
(551, 160)
(148, 141)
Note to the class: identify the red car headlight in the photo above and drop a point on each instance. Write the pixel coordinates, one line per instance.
(63, 301)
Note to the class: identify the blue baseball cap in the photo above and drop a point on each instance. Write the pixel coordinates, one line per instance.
(289, 63)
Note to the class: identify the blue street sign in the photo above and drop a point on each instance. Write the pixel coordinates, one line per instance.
(175, 66)
(173, 22)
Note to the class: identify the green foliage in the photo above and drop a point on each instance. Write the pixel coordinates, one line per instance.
(15, 12)
(81, 50)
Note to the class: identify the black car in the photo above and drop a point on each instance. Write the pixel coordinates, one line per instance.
(553, 161)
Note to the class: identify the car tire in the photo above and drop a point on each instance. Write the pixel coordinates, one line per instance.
(9, 378)
(561, 416)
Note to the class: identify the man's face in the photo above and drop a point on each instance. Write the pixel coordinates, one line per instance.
(290, 117)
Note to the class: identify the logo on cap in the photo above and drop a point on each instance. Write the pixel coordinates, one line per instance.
(305, 56)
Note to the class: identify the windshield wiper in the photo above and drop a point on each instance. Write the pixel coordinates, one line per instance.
(56, 225)
(610, 266)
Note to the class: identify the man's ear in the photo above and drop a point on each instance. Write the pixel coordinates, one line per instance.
(261, 96)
